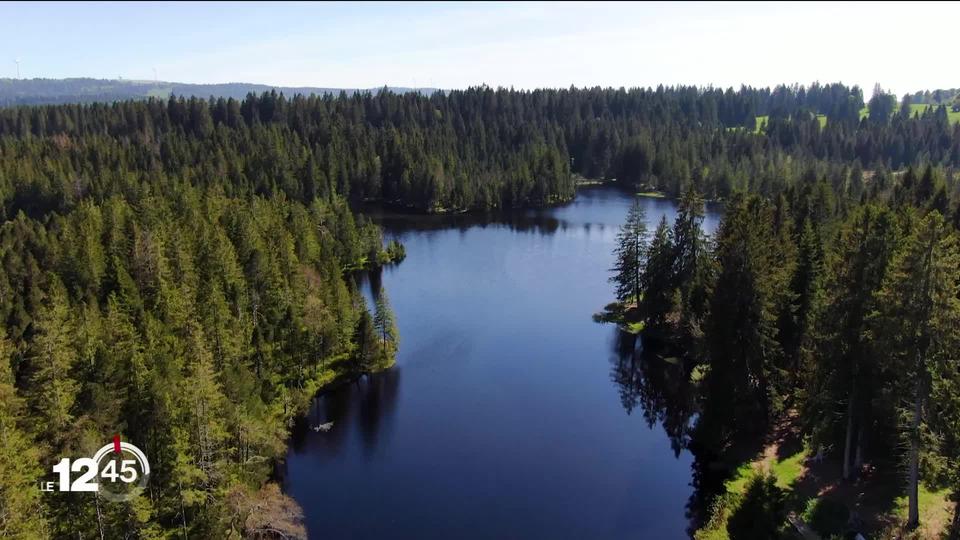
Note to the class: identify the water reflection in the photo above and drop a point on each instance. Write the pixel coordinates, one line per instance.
(367, 405)
(374, 281)
(377, 407)
(589, 213)
(518, 221)
(657, 383)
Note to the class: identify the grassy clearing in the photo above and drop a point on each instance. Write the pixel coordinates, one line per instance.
(738, 484)
(936, 511)
(625, 315)
(789, 469)
(712, 533)
(761, 123)
(632, 327)
(954, 117)
(652, 194)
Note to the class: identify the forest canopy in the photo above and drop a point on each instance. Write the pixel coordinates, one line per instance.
(467, 149)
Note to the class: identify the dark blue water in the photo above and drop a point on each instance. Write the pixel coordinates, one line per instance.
(506, 415)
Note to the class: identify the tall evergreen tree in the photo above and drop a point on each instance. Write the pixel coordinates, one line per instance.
(658, 279)
(386, 327)
(692, 271)
(630, 254)
(20, 509)
(53, 389)
(743, 381)
(806, 286)
(366, 354)
(918, 308)
(847, 373)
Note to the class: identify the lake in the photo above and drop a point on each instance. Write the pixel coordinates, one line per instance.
(510, 413)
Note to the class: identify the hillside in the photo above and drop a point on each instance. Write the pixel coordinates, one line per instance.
(86, 90)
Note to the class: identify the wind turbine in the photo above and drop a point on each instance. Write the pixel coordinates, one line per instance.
(17, 62)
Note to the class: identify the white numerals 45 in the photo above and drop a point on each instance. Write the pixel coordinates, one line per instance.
(127, 473)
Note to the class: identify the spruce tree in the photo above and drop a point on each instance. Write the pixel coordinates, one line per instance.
(692, 265)
(658, 278)
(806, 286)
(365, 341)
(53, 389)
(630, 254)
(846, 372)
(386, 327)
(743, 380)
(916, 327)
(19, 460)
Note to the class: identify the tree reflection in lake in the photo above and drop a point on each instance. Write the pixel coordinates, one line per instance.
(366, 404)
(658, 384)
(532, 221)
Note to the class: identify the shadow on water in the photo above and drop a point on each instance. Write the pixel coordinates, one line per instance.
(366, 404)
(657, 382)
(377, 407)
(373, 279)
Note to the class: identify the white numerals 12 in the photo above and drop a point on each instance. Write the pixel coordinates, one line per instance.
(127, 474)
(80, 484)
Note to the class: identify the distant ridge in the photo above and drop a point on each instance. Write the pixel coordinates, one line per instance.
(86, 90)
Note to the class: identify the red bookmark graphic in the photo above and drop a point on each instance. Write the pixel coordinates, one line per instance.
(116, 443)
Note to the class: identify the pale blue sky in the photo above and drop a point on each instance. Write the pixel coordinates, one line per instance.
(905, 47)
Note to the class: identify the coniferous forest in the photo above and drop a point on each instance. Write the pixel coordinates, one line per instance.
(826, 314)
(182, 271)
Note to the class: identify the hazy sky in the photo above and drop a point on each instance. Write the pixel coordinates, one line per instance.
(905, 47)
